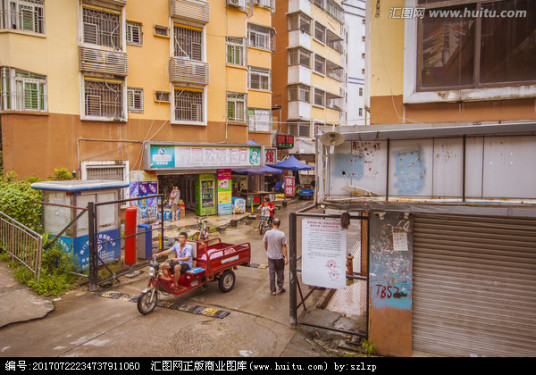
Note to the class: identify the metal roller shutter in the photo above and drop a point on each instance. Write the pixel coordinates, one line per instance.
(474, 286)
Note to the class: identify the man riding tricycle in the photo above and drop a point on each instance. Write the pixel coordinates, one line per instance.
(193, 265)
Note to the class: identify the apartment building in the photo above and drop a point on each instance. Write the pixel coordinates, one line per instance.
(308, 70)
(86, 83)
(355, 40)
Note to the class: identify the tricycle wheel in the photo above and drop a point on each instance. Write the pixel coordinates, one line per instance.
(147, 301)
(227, 281)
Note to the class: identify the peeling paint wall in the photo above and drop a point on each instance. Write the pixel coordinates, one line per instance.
(390, 283)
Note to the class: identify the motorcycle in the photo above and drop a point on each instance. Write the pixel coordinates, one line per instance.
(265, 216)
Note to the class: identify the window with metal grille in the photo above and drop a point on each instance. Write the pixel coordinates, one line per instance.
(320, 97)
(259, 36)
(320, 32)
(236, 53)
(135, 99)
(320, 65)
(102, 28)
(188, 43)
(161, 96)
(22, 91)
(299, 21)
(103, 99)
(259, 78)
(299, 92)
(161, 30)
(259, 119)
(236, 107)
(134, 35)
(105, 173)
(27, 15)
(299, 129)
(188, 105)
(299, 56)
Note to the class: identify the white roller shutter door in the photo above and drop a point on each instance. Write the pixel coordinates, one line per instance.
(474, 286)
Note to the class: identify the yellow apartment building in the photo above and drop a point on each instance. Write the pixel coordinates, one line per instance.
(85, 84)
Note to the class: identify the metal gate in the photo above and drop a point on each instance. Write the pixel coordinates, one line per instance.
(96, 264)
(341, 310)
(474, 290)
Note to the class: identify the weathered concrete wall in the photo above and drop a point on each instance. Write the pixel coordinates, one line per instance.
(390, 284)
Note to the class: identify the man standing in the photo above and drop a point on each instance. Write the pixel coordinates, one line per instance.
(275, 244)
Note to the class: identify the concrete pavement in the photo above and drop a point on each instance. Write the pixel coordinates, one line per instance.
(85, 324)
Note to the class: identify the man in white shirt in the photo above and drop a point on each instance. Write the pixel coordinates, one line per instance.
(275, 244)
(182, 261)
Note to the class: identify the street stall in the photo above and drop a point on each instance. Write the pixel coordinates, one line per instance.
(254, 195)
(64, 200)
(294, 165)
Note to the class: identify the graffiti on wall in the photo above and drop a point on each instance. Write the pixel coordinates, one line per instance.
(390, 275)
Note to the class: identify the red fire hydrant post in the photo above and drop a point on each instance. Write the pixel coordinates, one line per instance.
(130, 229)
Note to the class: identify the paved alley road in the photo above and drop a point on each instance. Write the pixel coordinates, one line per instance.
(85, 324)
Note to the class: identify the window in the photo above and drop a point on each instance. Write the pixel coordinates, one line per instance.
(259, 79)
(320, 65)
(161, 96)
(188, 105)
(299, 92)
(299, 56)
(472, 50)
(361, 91)
(103, 99)
(23, 91)
(299, 129)
(259, 37)
(135, 99)
(161, 30)
(320, 98)
(188, 43)
(134, 36)
(299, 21)
(236, 51)
(102, 28)
(360, 111)
(237, 3)
(334, 71)
(27, 15)
(259, 119)
(320, 32)
(236, 107)
(265, 4)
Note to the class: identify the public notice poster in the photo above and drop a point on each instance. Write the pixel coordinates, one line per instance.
(225, 192)
(323, 253)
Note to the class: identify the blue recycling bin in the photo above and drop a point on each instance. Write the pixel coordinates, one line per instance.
(144, 242)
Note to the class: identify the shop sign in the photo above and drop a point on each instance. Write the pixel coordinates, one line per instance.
(225, 205)
(202, 157)
(284, 141)
(270, 156)
(289, 186)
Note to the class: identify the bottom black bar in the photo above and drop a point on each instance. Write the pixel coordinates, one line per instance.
(337, 365)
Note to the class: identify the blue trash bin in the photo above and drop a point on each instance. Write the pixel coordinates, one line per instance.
(144, 243)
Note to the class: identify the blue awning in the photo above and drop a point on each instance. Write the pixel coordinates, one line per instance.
(293, 164)
(255, 171)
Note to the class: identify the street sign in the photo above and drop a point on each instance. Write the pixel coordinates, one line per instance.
(284, 141)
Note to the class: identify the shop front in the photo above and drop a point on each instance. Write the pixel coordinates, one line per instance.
(201, 172)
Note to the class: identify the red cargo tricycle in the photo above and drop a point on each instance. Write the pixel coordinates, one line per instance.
(213, 260)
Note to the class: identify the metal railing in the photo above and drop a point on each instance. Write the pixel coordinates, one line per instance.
(22, 243)
(188, 71)
(196, 11)
(102, 61)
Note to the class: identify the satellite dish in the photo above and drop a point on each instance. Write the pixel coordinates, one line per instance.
(332, 139)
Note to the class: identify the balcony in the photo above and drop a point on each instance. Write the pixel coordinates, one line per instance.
(193, 12)
(188, 71)
(102, 61)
